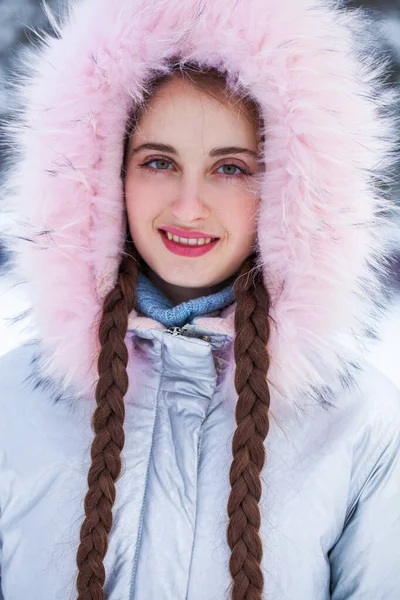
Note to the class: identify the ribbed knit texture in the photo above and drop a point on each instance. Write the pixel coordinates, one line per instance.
(153, 303)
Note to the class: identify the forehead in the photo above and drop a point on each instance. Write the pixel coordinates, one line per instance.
(182, 115)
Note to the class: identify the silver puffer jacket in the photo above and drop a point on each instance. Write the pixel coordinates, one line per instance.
(330, 521)
(331, 487)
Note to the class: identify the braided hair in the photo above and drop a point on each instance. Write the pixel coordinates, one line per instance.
(248, 450)
(108, 428)
(252, 363)
(251, 357)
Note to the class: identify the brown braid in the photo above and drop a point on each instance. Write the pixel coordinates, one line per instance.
(252, 332)
(108, 427)
(252, 363)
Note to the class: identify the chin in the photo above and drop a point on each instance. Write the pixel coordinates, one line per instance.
(190, 282)
(192, 278)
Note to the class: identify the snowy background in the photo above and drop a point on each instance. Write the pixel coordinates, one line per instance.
(18, 21)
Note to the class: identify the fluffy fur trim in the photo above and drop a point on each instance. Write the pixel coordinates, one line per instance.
(327, 142)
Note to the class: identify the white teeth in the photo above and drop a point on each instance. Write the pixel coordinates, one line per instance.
(188, 241)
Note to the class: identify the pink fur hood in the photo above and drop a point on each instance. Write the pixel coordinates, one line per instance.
(327, 143)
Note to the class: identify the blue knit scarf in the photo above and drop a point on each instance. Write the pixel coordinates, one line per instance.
(153, 303)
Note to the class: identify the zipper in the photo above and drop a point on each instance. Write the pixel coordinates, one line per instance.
(188, 331)
(174, 331)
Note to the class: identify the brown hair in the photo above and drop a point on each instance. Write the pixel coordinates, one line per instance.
(252, 409)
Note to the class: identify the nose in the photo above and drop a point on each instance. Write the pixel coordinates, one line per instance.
(189, 205)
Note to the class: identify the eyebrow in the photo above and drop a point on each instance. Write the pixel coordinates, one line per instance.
(224, 151)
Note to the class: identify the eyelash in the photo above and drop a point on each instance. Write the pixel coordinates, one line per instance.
(146, 165)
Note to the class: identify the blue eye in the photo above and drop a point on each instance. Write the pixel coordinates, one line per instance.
(162, 164)
(161, 161)
(231, 169)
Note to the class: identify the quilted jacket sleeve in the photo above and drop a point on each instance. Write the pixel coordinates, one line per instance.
(365, 562)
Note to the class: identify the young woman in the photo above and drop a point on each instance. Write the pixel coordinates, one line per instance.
(198, 226)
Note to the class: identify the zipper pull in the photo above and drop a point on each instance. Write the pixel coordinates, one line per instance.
(190, 330)
(174, 330)
(187, 330)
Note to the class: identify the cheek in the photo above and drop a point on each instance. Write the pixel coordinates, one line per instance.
(241, 220)
(143, 204)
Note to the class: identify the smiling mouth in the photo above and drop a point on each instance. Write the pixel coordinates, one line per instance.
(189, 247)
(187, 241)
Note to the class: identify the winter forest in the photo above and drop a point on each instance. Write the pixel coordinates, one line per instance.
(20, 20)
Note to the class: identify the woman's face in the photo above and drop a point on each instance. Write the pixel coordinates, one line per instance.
(191, 176)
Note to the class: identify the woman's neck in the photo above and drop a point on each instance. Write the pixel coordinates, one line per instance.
(178, 294)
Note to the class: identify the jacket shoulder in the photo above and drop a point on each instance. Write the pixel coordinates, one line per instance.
(23, 390)
(16, 367)
(365, 561)
(371, 415)
(21, 374)
(379, 399)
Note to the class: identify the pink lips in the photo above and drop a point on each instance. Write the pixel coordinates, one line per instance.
(188, 234)
(185, 250)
